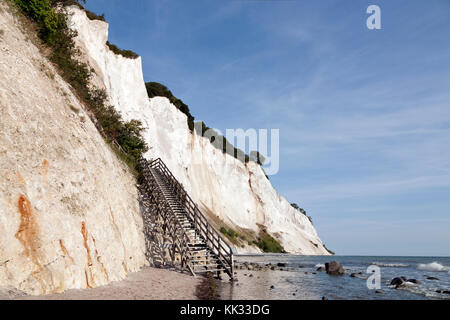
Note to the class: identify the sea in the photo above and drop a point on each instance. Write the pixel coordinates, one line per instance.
(300, 280)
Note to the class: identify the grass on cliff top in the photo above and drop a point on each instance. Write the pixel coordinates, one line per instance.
(124, 53)
(155, 89)
(53, 30)
(93, 16)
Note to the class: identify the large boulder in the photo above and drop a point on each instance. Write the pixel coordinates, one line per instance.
(443, 291)
(415, 281)
(320, 269)
(397, 281)
(334, 268)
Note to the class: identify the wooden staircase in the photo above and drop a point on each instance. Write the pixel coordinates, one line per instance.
(193, 241)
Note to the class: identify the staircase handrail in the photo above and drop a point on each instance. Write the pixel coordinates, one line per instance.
(223, 249)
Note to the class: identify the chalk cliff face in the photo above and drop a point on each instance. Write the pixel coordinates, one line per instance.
(69, 215)
(230, 192)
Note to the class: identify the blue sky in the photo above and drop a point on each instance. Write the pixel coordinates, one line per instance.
(364, 115)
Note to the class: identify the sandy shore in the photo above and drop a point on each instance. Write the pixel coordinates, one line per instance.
(148, 284)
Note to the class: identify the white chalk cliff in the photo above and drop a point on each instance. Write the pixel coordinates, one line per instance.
(69, 211)
(69, 214)
(230, 192)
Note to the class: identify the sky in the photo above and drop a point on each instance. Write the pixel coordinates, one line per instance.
(364, 115)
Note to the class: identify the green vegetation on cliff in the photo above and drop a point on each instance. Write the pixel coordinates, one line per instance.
(267, 243)
(52, 26)
(155, 89)
(124, 53)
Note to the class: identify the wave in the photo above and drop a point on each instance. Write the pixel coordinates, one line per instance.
(320, 265)
(433, 266)
(391, 265)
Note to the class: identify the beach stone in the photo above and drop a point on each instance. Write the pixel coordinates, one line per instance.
(272, 287)
(443, 291)
(272, 268)
(414, 281)
(320, 269)
(281, 264)
(432, 278)
(396, 281)
(379, 292)
(353, 275)
(334, 268)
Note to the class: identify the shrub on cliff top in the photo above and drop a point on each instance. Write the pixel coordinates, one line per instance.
(93, 16)
(124, 53)
(155, 89)
(67, 2)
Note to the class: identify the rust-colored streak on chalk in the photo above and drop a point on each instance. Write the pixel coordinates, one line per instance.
(84, 232)
(20, 178)
(28, 230)
(64, 250)
(87, 280)
(45, 166)
(102, 266)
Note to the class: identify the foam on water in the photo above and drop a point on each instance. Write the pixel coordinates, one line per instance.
(433, 266)
(391, 265)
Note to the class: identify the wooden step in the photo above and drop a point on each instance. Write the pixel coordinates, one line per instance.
(215, 265)
(202, 255)
(202, 271)
(163, 189)
(208, 263)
